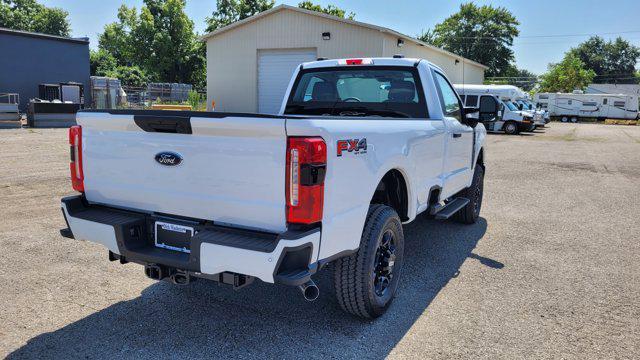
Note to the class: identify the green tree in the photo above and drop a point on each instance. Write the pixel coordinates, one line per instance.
(101, 61)
(329, 9)
(129, 75)
(612, 61)
(568, 75)
(229, 11)
(522, 78)
(116, 39)
(29, 15)
(427, 36)
(481, 33)
(158, 42)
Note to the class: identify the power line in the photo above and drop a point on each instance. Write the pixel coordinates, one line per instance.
(589, 34)
(516, 42)
(546, 36)
(535, 76)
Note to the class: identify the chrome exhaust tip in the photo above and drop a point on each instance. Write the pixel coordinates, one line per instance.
(309, 290)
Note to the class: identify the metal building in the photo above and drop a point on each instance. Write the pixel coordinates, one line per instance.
(250, 62)
(30, 59)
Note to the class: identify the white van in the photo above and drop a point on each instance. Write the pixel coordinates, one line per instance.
(540, 116)
(508, 94)
(572, 107)
(511, 120)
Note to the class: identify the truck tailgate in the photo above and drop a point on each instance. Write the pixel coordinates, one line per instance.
(232, 169)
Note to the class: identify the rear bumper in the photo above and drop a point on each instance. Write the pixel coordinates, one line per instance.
(289, 258)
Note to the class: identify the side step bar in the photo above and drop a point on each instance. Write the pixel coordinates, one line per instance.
(443, 212)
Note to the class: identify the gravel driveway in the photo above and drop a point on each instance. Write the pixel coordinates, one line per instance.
(552, 270)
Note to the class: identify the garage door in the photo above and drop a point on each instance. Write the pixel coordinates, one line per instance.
(275, 68)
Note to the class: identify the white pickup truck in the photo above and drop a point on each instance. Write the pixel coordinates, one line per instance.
(360, 147)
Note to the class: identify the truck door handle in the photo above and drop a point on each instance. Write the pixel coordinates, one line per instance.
(456, 135)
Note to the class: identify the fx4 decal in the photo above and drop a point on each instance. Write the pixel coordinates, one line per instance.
(356, 146)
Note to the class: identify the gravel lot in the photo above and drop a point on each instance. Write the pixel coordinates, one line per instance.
(551, 270)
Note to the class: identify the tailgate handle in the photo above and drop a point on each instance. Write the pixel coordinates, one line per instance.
(164, 124)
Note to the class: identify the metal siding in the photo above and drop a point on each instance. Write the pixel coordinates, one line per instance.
(231, 71)
(27, 61)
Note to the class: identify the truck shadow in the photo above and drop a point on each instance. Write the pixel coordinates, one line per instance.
(266, 321)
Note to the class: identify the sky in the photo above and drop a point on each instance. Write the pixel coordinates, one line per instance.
(548, 28)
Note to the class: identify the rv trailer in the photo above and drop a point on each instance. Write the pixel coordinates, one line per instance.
(574, 106)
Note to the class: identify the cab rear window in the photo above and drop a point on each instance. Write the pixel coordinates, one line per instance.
(358, 91)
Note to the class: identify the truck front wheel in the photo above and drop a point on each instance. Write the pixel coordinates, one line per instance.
(366, 282)
(511, 128)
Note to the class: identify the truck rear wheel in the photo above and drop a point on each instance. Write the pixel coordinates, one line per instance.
(471, 212)
(366, 282)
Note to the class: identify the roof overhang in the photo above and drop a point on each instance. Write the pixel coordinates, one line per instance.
(84, 41)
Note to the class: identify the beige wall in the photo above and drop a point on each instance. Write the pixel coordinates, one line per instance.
(232, 56)
(473, 74)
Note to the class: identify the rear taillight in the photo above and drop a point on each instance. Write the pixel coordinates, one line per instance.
(306, 166)
(75, 142)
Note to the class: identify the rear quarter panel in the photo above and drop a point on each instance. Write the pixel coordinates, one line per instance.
(414, 147)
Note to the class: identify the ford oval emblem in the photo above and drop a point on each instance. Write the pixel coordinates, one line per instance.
(168, 158)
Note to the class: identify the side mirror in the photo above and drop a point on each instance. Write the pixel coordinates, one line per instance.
(471, 116)
(520, 107)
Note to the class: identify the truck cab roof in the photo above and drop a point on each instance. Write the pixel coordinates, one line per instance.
(377, 61)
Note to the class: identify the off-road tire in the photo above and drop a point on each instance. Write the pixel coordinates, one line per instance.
(471, 212)
(354, 275)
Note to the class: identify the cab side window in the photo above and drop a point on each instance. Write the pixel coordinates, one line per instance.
(448, 97)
